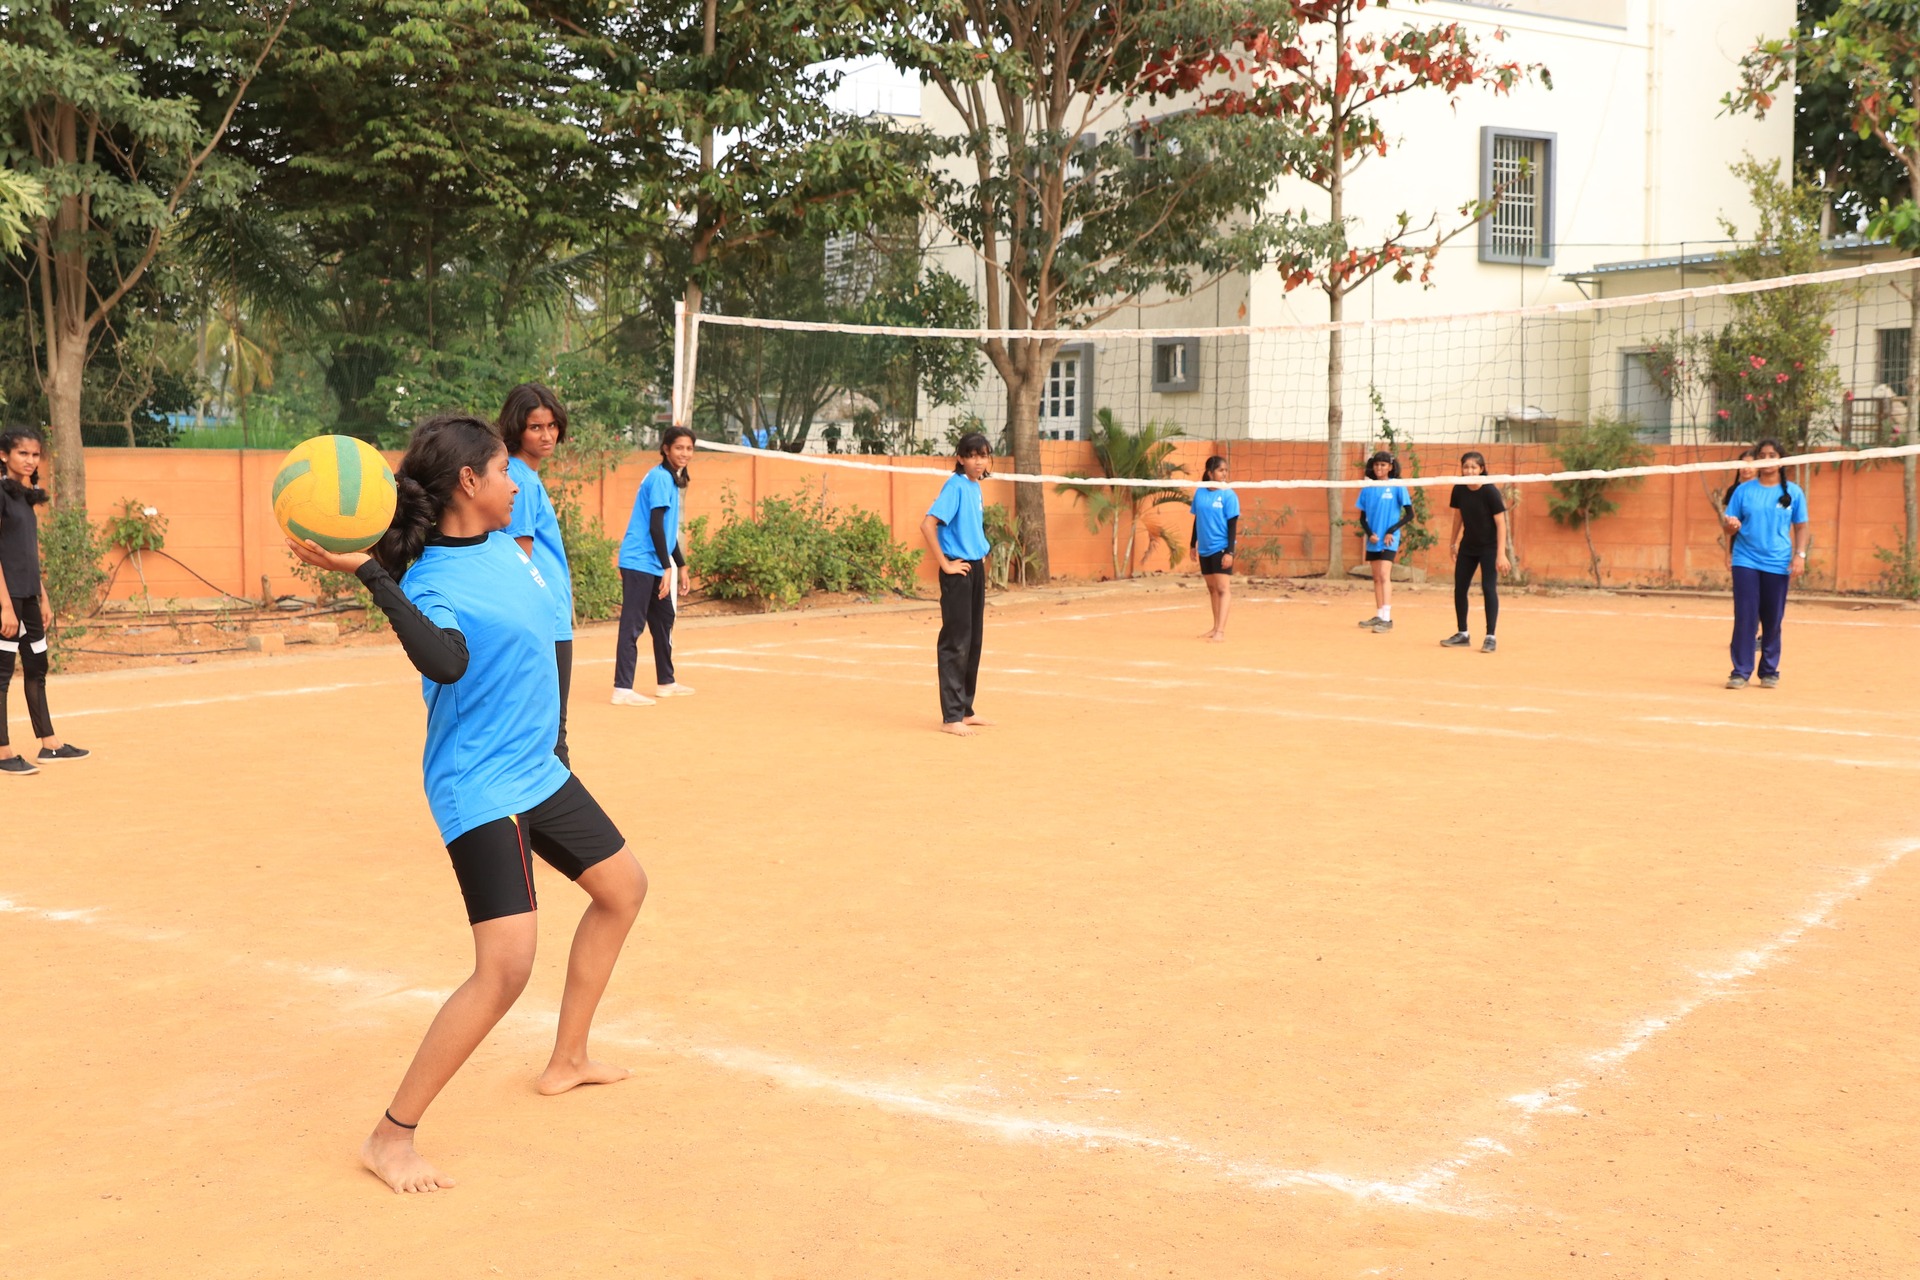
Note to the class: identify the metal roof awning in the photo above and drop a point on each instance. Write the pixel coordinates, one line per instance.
(1837, 245)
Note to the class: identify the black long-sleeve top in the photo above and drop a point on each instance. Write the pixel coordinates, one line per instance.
(438, 653)
(657, 527)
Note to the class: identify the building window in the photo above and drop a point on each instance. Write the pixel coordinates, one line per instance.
(1060, 399)
(1643, 400)
(1516, 174)
(1896, 346)
(1176, 364)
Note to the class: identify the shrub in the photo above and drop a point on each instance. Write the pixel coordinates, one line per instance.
(1605, 444)
(329, 586)
(590, 558)
(792, 546)
(71, 550)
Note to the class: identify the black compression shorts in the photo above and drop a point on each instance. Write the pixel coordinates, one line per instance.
(1382, 555)
(1211, 564)
(568, 829)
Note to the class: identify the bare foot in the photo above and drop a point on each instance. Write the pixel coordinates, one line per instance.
(562, 1076)
(978, 722)
(1218, 637)
(388, 1153)
(959, 729)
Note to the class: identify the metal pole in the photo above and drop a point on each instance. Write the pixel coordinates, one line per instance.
(679, 329)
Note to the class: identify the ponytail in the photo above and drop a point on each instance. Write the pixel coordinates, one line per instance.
(425, 481)
(33, 494)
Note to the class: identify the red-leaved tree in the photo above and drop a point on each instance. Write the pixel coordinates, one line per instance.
(1333, 73)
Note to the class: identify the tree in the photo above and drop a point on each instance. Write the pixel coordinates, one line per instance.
(730, 108)
(1870, 51)
(1605, 444)
(1335, 73)
(1074, 200)
(1853, 172)
(1130, 455)
(117, 108)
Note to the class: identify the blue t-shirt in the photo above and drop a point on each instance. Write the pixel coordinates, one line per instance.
(963, 529)
(533, 517)
(1765, 540)
(1380, 505)
(636, 548)
(490, 734)
(1212, 508)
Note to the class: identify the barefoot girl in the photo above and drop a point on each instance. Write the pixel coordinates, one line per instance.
(1767, 517)
(533, 422)
(1384, 511)
(476, 620)
(24, 612)
(1216, 523)
(956, 533)
(651, 544)
(1479, 543)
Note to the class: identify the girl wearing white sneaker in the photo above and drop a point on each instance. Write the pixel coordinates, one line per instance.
(24, 611)
(650, 555)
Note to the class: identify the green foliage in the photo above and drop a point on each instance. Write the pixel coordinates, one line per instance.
(792, 546)
(1768, 372)
(23, 201)
(1901, 577)
(1418, 534)
(1605, 444)
(1852, 63)
(136, 528)
(1008, 559)
(71, 551)
(590, 558)
(1131, 455)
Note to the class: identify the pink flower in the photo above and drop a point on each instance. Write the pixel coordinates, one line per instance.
(1848, 395)
(1779, 377)
(1722, 413)
(1749, 395)
(1797, 366)
(1743, 373)
(1758, 362)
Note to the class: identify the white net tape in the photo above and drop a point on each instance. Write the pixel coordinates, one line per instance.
(1824, 458)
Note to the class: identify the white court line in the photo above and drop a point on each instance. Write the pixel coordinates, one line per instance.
(230, 697)
(1800, 619)
(1427, 1190)
(372, 988)
(1767, 725)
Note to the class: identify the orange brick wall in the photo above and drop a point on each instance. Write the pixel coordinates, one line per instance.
(1664, 534)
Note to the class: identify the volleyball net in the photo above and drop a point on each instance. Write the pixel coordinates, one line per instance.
(1633, 400)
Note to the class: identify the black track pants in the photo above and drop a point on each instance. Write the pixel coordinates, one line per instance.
(963, 611)
(1486, 561)
(28, 647)
(643, 608)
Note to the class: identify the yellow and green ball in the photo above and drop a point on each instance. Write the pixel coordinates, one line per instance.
(336, 491)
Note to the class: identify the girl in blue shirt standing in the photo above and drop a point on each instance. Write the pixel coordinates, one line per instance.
(1216, 524)
(533, 423)
(1384, 511)
(475, 617)
(1767, 519)
(649, 556)
(956, 533)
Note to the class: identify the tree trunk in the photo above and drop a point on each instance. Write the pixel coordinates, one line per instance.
(1593, 557)
(1336, 421)
(1028, 358)
(1909, 489)
(66, 371)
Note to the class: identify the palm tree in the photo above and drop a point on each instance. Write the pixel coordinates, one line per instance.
(1130, 455)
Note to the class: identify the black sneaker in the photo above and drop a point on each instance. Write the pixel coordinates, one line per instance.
(1489, 645)
(19, 766)
(1458, 640)
(1370, 623)
(1736, 682)
(1770, 682)
(1382, 624)
(65, 751)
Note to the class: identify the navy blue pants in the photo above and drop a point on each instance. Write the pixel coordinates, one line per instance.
(643, 608)
(1759, 604)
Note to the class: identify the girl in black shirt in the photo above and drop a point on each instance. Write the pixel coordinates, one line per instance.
(1479, 543)
(23, 605)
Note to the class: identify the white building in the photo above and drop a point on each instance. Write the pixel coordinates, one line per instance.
(1628, 159)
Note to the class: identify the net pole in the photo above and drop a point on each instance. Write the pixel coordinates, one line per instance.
(691, 347)
(679, 335)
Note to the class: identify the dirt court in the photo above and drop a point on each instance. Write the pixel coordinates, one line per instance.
(1313, 954)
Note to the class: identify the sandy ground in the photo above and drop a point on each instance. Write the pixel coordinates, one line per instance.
(1316, 953)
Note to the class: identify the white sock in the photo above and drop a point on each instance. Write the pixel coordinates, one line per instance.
(1386, 613)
